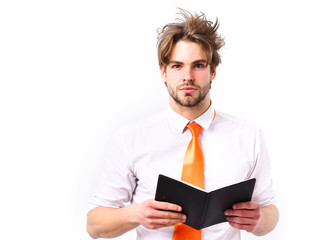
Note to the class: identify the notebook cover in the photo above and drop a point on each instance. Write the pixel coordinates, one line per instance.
(202, 208)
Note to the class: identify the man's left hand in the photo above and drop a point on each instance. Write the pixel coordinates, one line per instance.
(244, 216)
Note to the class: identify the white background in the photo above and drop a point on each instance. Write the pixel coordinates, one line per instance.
(71, 71)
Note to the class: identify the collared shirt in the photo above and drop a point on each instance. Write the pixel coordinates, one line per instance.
(233, 151)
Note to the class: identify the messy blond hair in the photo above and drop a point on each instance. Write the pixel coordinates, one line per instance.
(195, 28)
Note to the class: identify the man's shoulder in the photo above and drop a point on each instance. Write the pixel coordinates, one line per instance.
(144, 121)
(233, 122)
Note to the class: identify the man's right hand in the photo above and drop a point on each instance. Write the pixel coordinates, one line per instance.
(153, 214)
(107, 222)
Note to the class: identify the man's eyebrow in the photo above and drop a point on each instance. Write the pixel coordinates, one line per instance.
(200, 61)
(194, 62)
(175, 62)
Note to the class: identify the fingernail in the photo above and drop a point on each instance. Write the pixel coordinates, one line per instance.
(226, 212)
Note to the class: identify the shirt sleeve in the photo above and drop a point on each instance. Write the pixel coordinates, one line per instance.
(263, 192)
(117, 181)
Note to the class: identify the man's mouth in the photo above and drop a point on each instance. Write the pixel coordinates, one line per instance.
(188, 90)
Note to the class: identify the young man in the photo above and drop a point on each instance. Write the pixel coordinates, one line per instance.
(232, 150)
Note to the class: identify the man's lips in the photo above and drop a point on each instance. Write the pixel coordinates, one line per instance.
(188, 90)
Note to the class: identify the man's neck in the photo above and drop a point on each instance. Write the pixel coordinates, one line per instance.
(190, 113)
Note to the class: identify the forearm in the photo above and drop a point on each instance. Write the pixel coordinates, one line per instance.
(105, 222)
(268, 220)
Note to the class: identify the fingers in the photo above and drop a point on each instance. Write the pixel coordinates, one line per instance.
(165, 206)
(247, 205)
(161, 214)
(246, 227)
(154, 215)
(157, 220)
(167, 211)
(243, 213)
(244, 216)
(247, 209)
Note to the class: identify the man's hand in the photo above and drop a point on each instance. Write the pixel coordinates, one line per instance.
(153, 214)
(107, 222)
(244, 216)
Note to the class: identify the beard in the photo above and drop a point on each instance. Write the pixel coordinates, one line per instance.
(189, 99)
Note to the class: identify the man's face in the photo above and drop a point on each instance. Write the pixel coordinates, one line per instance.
(188, 76)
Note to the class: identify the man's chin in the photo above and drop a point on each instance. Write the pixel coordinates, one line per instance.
(188, 102)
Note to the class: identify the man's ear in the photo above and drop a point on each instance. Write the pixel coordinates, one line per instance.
(163, 72)
(213, 73)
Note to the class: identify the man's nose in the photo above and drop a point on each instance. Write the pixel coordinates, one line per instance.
(187, 77)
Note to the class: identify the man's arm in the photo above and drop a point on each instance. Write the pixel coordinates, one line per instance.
(105, 222)
(251, 217)
(268, 220)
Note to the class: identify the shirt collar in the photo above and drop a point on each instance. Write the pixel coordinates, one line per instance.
(179, 122)
(206, 118)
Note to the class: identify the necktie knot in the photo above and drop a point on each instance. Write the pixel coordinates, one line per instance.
(195, 129)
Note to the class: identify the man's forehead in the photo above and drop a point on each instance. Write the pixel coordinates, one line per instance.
(188, 51)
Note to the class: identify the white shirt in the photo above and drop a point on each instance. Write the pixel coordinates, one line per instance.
(233, 151)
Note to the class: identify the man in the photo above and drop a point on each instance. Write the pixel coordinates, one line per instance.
(232, 150)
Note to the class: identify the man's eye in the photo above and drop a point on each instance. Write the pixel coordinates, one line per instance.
(199, 65)
(176, 66)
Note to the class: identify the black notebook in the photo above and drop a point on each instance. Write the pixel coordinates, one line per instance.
(202, 208)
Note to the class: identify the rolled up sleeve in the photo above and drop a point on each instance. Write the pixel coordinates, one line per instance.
(117, 181)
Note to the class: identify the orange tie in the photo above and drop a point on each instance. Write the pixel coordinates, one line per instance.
(193, 172)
